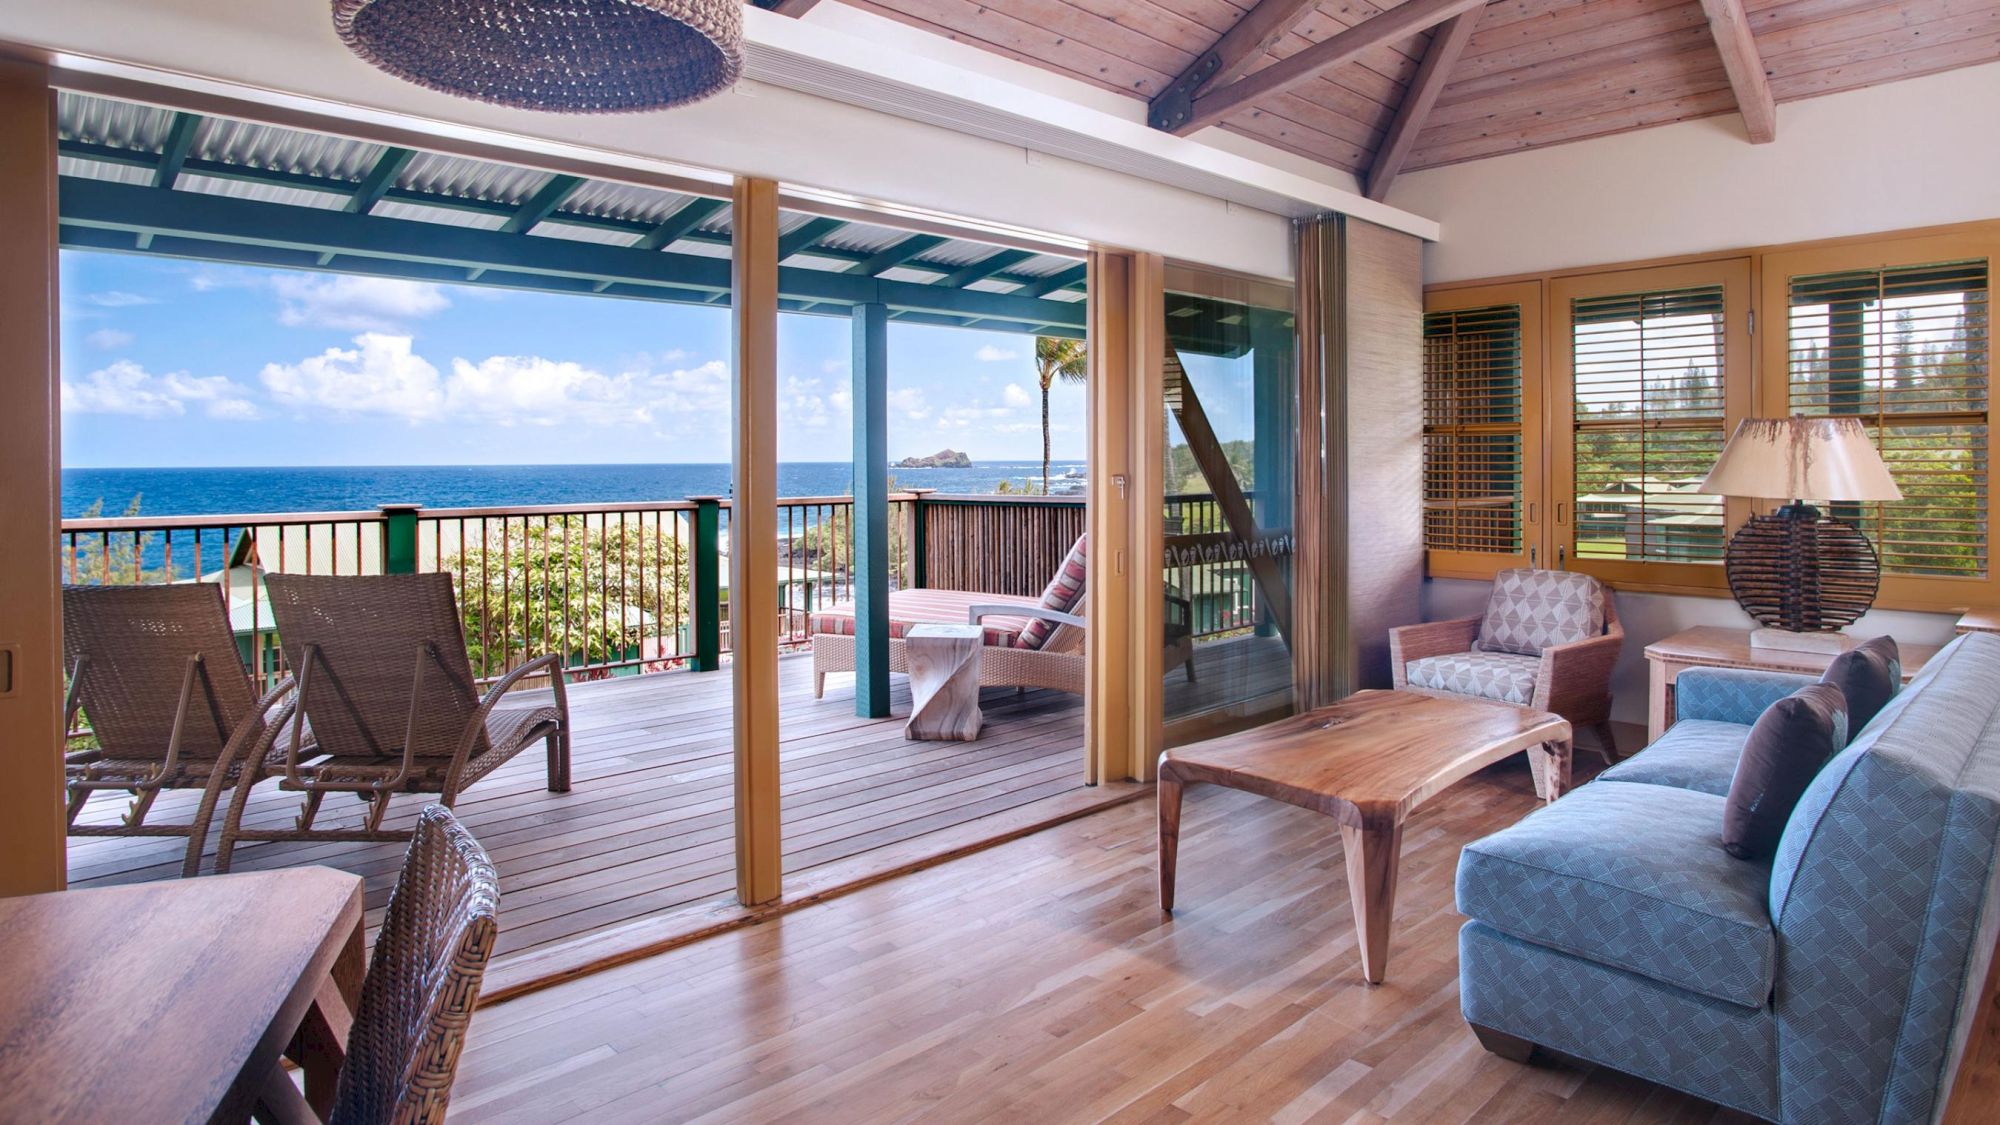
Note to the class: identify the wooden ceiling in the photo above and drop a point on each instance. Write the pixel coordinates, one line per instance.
(1471, 80)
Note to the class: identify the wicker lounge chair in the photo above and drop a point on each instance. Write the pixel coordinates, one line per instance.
(155, 669)
(422, 981)
(384, 680)
(1029, 642)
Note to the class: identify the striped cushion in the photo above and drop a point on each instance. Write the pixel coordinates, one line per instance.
(931, 607)
(1062, 594)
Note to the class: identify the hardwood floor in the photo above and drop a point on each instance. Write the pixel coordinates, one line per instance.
(1039, 981)
(647, 827)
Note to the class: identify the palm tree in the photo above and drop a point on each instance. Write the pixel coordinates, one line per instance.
(1056, 358)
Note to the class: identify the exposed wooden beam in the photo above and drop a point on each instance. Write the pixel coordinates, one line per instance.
(678, 224)
(1400, 22)
(806, 234)
(1745, 68)
(1447, 43)
(379, 180)
(895, 255)
(174, 151)
(542, 204)
(1059, 280)
(985, 267)
(1239, 48)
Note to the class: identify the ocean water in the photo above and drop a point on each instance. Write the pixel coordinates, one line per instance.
(197, 492)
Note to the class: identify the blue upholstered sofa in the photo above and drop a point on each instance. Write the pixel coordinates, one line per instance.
(1835, 983)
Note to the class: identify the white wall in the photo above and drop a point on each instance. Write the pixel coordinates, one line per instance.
(290, 47)
(1906, 154)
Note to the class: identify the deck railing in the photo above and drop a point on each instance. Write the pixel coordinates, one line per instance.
(625, 588)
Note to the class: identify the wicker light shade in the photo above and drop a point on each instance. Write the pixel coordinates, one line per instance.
(564, 56)
(1797, 570)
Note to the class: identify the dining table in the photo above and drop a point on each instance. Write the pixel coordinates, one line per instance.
(180, 1000)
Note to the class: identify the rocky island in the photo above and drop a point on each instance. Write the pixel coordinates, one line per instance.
(942, 459)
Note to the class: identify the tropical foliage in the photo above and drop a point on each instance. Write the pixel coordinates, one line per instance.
(1056, 358)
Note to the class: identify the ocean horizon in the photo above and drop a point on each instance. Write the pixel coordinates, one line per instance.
(258, 490)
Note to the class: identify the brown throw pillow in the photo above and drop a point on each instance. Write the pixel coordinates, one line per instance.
(1869, 675)
(1793, 738)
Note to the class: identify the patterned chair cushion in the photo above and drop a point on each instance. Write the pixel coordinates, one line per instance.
(1630, 876)
(1488, 675)
(930, 607)
(1062, 594)
(1531, 610)
(1697, 754)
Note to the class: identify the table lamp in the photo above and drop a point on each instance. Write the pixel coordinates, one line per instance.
(1802, 575)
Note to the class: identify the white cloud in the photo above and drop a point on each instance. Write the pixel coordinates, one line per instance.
(124, 387)
(1016, 395)
(533, 391)
(119, 299)
(109, 338)
(991, 353)
(910, 403)
(381, 374)
(355, 304)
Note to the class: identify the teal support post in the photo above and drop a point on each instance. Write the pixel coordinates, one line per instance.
(918, 544)
(1274, 388)
(706, 569)
(399, 538)
(871, 561)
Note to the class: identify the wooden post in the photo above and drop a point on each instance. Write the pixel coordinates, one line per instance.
(753, 541)
(31, 682)
(870, 377)
(399, 538)
(705, 576)
(1122, 705)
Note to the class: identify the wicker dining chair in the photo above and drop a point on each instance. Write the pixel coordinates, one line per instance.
(423, 980)
(171, 706)
(387, 690)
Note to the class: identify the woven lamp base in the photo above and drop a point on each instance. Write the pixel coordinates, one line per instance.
(1802, 576)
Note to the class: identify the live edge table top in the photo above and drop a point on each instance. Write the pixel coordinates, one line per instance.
(1370, 758)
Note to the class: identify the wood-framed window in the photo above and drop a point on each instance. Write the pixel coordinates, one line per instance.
(1649, 373)
(1897, 333)
(1482, 429)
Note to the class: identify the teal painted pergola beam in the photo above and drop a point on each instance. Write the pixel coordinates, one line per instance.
(198, 225)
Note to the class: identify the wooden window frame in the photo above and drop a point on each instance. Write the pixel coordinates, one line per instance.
(1908, 592)
(1736, 277)
(1528, 296)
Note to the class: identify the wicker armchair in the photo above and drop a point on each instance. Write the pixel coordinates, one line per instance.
(422, 981)
(387, 688)
(170, 704)
(1570, 677)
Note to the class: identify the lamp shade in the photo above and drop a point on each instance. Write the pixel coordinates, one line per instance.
(565, 56)
(1801, 458)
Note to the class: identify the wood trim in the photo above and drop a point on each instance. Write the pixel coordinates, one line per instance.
(1111, 714)
(1447, 44)
(1529, 296)
(753, 535)
(1745, 67)
(1316, 627)
(1735, 276)
(1288, 73)
(1148, 418)
(1939, 595)
(31, 684)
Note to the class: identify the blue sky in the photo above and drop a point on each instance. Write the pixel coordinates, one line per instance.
(168, 363)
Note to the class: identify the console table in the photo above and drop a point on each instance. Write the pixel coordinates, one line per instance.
(1709, 646)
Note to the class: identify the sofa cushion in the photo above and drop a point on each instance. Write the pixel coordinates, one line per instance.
(1531, 610)
(1697, 754)
(1791, 741)
(1488, 675)
(1629, 876)
(1869, 676)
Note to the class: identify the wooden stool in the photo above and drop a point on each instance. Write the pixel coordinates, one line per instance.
(944, 682)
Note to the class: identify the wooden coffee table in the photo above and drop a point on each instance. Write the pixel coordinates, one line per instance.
(1366, 761)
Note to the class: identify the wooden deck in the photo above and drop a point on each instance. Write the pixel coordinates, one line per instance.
(648, 825)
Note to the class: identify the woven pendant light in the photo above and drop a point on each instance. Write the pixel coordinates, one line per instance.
(564, 56)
